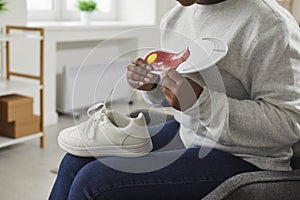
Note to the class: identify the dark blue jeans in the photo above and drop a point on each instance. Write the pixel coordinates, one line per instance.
(188, 177)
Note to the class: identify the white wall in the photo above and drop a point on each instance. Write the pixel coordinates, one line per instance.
(162, 6)
(137, 11)
(143, 11)
(16, 13)
(296, 11)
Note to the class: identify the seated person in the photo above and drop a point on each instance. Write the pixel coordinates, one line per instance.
(259, 110)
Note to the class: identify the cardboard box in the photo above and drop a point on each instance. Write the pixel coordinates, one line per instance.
(15, 107)
(20, 128)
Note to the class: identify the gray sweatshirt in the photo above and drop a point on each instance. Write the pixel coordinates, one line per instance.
(250, 105)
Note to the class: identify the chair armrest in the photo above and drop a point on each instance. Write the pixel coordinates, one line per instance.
(259, 185)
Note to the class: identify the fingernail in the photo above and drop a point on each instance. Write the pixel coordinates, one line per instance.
(130, 67)
(141, 83)
(147, 80)
(148, 67)
(149, 75)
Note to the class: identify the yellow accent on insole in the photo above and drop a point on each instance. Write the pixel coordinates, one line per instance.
(151, 58)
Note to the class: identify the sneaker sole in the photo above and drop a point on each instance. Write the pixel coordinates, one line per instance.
(120, 151)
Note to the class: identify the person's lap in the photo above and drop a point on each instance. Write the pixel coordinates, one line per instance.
(167, 173)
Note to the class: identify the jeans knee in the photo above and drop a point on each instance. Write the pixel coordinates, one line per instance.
(91, 180)
(71, 164)
(65, 163)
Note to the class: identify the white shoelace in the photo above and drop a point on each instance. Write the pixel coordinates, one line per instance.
(96, 113)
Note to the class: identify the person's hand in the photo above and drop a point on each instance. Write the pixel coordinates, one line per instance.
(180, 92)
(139, 75)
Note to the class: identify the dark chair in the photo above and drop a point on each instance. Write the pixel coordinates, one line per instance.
(262, 185)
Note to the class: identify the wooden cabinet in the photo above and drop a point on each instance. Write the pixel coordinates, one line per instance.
(12, 86)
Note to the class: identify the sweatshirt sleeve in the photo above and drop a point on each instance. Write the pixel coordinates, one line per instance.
(270, 118)
(155, 97)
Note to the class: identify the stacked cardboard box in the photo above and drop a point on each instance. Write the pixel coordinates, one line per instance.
(16, 116)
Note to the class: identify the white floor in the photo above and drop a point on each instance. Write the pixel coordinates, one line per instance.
(25, 169)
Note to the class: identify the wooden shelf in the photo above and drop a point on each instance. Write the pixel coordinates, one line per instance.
(5, 141)
(15, 86)
(8, 87)
(4, 38)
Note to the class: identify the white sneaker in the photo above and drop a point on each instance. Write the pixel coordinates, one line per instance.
(107, 133)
